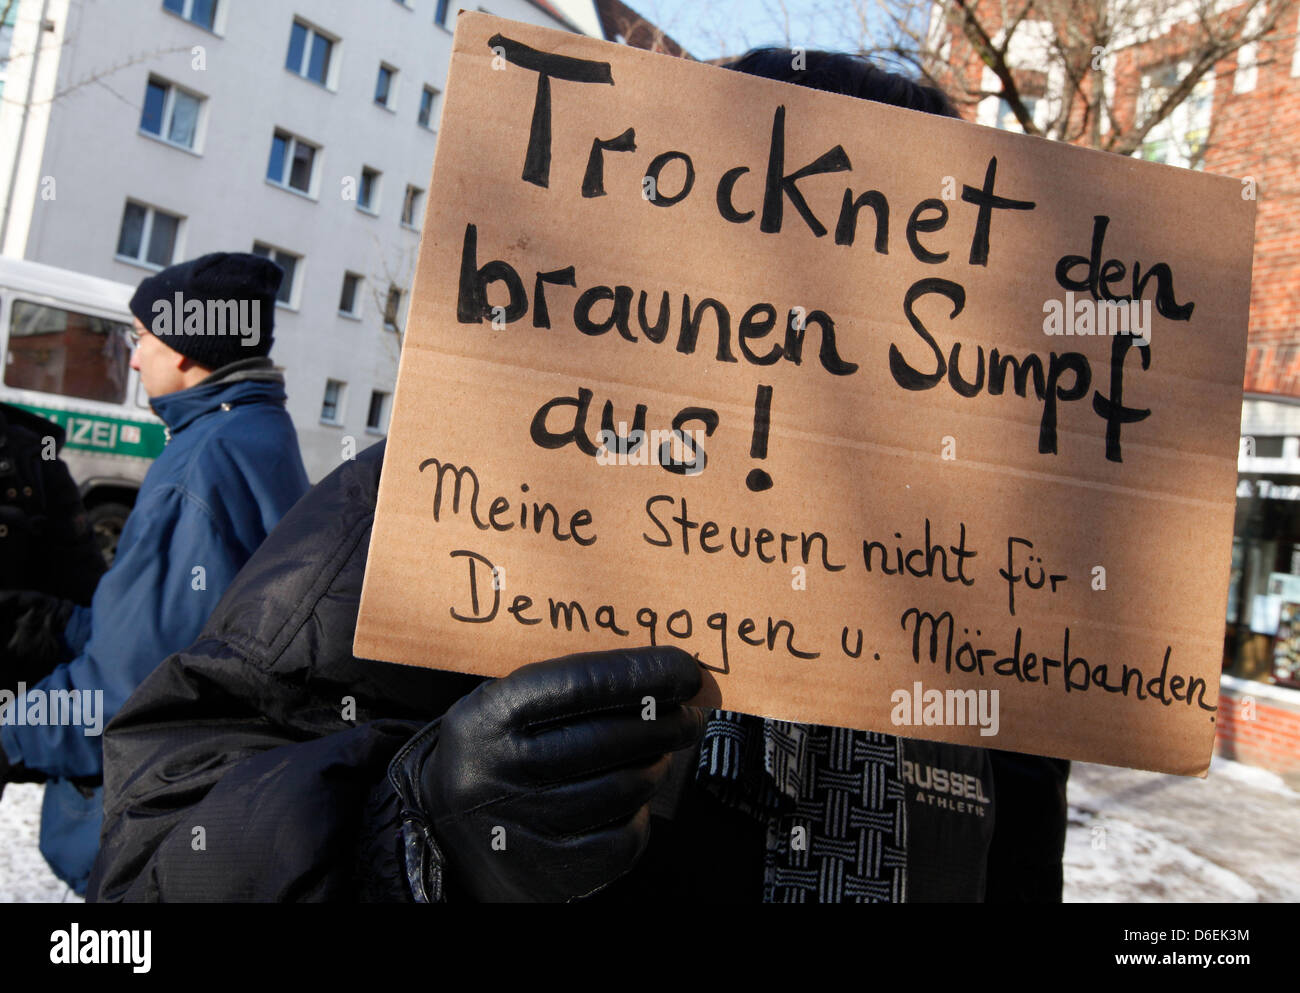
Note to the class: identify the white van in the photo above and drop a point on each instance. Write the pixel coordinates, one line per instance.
(66, 355)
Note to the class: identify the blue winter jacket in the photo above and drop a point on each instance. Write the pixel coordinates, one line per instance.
(228, 474)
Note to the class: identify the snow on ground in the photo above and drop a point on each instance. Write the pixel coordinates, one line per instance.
(24, 875)
(1146, 837)
(1252, 775)
(1110, 861)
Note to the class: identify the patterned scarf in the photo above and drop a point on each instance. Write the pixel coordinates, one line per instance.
(833, 801)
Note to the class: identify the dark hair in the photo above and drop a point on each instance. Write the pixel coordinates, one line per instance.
(851, 75)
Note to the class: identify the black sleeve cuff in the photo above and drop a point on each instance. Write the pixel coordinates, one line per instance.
(424, 862)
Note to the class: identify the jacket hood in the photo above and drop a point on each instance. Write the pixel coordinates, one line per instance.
(17, 417)
(182, 408)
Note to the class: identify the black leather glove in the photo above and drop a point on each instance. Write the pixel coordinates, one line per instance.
(540, 783)
(31, 636)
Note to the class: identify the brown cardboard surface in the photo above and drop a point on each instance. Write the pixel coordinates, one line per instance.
(864, 452)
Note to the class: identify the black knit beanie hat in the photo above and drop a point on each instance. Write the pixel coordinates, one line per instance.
(215, 309)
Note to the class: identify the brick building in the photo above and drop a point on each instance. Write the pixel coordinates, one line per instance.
(620, 23)
(1241, 119)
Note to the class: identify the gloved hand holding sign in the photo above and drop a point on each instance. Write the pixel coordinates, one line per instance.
(539, 785)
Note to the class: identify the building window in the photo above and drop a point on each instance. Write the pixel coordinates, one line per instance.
(1006, 120)
(348, 298)
(1247, 73)
(368, 194)
(148, 235)
(286, 261)
(411, 206)
(292, 162)
(1032, 88)
(1263, 629)
(392, 308)
(378, 409)
(201, 12)
(66, 352)
(440, 15)
(309, 53)
(1267, 447)
(331, 408)
(385, 86)
(170, 113)
(1179, 139)
(428, 99)
(1295, 57)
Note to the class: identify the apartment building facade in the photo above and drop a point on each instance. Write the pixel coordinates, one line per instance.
(139, 133)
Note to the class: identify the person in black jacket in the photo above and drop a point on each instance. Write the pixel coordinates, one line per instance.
(46, 542)
(267, 763)
(49, 560)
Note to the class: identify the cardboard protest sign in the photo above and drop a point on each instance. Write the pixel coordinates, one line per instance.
(897, 422)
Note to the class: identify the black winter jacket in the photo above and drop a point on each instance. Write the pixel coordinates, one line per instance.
(46, 542)
(252, 767)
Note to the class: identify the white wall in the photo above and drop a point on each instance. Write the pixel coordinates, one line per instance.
(97, 157)
(583, 14)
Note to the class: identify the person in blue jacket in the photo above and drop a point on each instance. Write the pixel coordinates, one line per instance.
(229, 472)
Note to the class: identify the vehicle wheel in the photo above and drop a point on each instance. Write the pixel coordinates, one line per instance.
(107, 521)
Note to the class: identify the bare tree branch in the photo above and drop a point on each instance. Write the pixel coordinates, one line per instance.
(95, 78)
(1094, 72)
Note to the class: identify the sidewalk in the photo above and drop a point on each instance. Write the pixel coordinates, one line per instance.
(1134, 837)
(1143, 837)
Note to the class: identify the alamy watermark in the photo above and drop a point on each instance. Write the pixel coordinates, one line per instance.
(222, 318)
(95, 947)
(919, 707)
(59, 708)
(1086, 316)
(682, 449)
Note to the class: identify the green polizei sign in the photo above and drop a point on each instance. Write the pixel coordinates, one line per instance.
(105, 435)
